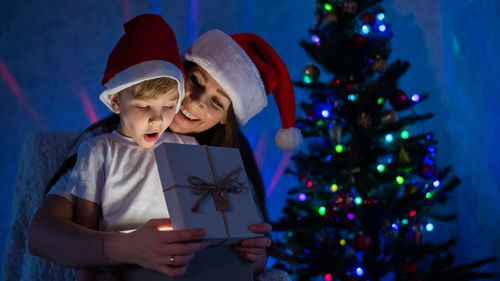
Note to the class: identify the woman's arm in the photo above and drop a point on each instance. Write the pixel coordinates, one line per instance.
(54, 236)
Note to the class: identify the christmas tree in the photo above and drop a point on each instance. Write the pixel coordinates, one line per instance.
(368, 180)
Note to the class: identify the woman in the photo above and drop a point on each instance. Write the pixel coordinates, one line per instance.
(227, 79)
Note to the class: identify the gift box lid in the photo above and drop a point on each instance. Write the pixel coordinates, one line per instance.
(188, 174)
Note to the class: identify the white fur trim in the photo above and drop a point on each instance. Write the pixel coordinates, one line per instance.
(288, 139)
(141, 72)
(232, 68)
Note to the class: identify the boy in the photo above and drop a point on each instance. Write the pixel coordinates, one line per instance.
(115, 180)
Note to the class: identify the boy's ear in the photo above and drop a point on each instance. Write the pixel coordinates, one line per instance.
(115, 103)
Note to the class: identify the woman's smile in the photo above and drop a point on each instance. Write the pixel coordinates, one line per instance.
(188, 115)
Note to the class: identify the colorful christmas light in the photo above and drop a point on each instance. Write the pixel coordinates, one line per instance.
(415, 97)
(381, 168)
(302, 197)
(322, 210)
(359, 271)
(339, 148)
(400, 180)
(389, 138)
(358, 200)
(365, 29)
(429, 227)
(436, 183)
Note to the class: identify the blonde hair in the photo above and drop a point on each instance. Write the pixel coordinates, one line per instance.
(153, 88)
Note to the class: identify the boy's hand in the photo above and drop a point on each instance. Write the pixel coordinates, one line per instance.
(254, 249)
(168, 252)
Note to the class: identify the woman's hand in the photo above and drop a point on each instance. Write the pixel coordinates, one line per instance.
(168, 252)
(255, 249)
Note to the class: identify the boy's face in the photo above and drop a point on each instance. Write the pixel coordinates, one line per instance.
(144, 120)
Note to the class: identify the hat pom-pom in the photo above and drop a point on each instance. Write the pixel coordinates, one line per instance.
(288, 139)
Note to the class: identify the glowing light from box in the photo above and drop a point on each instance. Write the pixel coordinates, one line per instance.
(165, 228)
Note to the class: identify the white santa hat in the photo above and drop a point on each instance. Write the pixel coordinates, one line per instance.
(249, 69)
(146, 51)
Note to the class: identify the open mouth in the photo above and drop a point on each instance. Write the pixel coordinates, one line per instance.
(151, 137)
(188, 115)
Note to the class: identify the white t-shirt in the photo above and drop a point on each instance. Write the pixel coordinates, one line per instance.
(122, 177)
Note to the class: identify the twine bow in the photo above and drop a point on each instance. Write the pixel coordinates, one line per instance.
(218, 187)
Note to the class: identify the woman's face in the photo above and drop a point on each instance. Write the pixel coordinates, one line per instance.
(205, 104)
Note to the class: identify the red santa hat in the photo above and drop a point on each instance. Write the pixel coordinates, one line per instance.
(249, 69)
(147, 50)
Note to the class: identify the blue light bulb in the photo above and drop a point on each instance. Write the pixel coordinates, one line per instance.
(365, 29)
(436, 183)
(389, 138)
(381, 16)
(359, 271)
(415, 97)
(325, 113)
(382, 27)
(302, 197)
(429, 227)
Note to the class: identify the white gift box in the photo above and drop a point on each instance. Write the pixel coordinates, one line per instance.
(207, 187)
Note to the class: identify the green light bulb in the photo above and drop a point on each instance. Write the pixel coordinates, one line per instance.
(320, 123)
(339, 148)
(307, 79)
(428, 195)
(404, 221)
(358, 200)
(380, 101)
(381, 168)
(400, 179)
(322, 210)
(328, 6)
(405, 134)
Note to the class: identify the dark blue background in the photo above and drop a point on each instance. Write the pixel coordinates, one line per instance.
(53, 53)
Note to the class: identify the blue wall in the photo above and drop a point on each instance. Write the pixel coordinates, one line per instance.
(471, 69)
(453, 50)
(55, 53)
